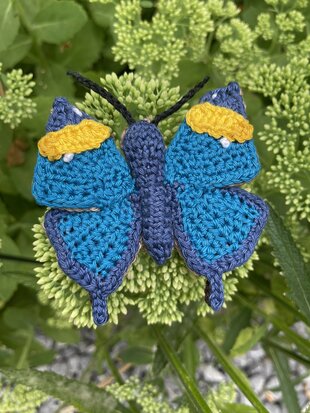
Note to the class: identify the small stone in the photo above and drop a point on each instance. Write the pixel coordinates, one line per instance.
(273, 408)
(257, 382)
(212, 375)
(256, 354)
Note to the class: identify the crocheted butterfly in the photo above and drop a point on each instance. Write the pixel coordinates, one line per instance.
(103, 204)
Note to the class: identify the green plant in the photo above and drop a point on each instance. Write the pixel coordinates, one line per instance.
(141, 50)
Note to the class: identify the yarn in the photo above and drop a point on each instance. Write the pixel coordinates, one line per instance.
(219, 122)
(144, 148)
(62, 114)
(89, 84)
(199, 160)
(227, 97)
(88, 134)
(103, 205)
(95, 249)
(191, 93)
(93, 179)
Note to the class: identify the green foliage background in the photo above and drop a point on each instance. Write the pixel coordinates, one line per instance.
(148, 53)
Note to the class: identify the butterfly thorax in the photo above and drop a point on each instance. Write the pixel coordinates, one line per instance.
(144, 149)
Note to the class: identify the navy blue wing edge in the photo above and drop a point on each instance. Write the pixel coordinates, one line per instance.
(99, 288)
(214, 272)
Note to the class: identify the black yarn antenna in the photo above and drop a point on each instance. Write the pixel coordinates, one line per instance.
(89, 84)
(192, 92)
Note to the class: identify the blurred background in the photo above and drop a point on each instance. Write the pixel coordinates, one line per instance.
(163, 349)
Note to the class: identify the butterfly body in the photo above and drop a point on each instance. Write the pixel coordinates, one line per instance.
(144, 148)
(104, 203)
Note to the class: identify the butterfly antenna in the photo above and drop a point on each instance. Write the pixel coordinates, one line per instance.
(89, 84)
(174, 108)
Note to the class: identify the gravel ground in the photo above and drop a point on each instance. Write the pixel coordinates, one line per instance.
(72, 360)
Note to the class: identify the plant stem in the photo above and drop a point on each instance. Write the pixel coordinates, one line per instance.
(195, 397)
(23, 356)
(116, 374)
(292, 354)
(112, 367)
(235, 374)
(295, 338)
(261, 284)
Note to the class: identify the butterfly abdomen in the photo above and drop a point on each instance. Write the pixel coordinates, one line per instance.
(144, 148)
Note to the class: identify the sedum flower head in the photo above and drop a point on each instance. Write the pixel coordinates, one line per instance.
(287, 132)
(146, 395)
(20, 399)
(224, 394)
(264, 26)
(289, 25)
(159, 292)
(15, 103)
(143, 98)
(177, 31)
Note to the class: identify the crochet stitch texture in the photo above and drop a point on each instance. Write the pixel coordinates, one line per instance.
(104, 204)
(87, 135)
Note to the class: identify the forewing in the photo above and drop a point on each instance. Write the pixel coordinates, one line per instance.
(95, 249)
(198, 158)
(78, 164)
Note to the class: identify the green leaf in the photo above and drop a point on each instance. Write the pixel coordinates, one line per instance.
(102, 14)
(137, 355)
(195, 397)
(247, 339)
(9, 24)
(291, 353)
(7, 288)
(85, 397)
(16, 51)
(237, 408)
(236, 324)
(52, 81)
(22, 175)
(59, 21)
(235, 374)
(284, 375)
(190, 355)
(83, 49)
(20, 318)
(291, 261)
(175, 336)
(300, 342)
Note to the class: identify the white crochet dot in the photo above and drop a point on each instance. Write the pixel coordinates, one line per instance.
(77, 111)
(225, 142)
(68, 157)
(214, 95)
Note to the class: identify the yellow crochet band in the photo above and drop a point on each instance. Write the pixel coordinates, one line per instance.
(84, 136)
(219, 122)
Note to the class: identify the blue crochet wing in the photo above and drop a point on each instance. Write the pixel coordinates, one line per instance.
(95, 249)
(216, 225)
(216, 231)
(94, 224)
(92, 179)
